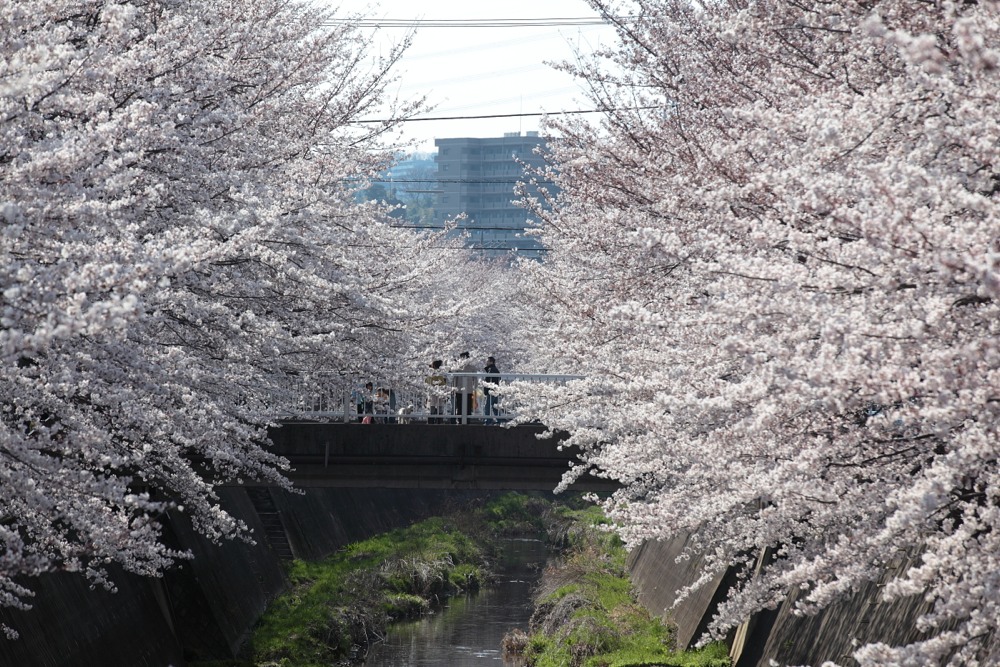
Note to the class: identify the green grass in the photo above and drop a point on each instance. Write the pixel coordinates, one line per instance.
(593, 617)
(590, 615)
(335, 602)
(515, 514)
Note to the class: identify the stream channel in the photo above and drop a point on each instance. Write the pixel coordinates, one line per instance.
(467, 630)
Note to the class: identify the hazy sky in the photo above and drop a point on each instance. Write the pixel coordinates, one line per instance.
(475, 71)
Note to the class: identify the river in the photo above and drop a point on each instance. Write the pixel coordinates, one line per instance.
(467, 631)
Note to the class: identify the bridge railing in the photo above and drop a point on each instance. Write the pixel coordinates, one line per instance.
(334, 397)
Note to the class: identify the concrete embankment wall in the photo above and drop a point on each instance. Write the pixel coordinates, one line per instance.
(659, 571)
(774, 637)
(205, 608)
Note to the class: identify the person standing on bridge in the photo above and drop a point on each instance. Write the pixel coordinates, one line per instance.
(365, 401)
(464, 383)
(490, 411)
(437, 392)
(381, 404)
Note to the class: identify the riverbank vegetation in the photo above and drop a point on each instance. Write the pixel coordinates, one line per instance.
(586, 612)
(336, 607)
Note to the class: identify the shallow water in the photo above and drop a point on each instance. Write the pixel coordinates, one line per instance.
(467, 632)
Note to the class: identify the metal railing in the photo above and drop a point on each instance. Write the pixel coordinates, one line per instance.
(334, 397)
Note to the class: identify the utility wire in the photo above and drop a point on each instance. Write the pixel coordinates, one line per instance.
(479, 23)
(453, 180)
(522, 39)
(463, 229)
(505, 115)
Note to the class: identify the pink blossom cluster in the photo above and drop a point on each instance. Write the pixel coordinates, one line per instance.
(776, 258)
(180, 248)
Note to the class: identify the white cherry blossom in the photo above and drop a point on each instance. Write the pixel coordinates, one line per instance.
(775, 260)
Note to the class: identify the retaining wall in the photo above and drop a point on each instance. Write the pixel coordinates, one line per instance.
(776, 637)
(205, 608)
(661, 569)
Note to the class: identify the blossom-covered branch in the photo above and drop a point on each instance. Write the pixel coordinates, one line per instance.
(782, 285)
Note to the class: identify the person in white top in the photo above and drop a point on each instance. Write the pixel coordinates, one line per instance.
(437, 392)
(464, 386)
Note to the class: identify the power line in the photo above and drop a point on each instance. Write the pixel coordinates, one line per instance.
(479, 23)
(477, 103)
(462, 229)
(454, 180)
(496, 44)
(506, 115)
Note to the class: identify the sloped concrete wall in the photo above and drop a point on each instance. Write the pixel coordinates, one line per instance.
(832, 635)
(778, 637)
(323, 520)
(658, 575)
(74, 625)
(216, 598)
(204, 609)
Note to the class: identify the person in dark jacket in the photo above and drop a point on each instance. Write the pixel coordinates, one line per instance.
(490, 411)
(365, 401)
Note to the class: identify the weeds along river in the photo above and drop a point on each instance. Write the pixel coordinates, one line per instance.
(467, 630)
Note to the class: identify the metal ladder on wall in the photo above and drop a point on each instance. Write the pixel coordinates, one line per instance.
(274, 528)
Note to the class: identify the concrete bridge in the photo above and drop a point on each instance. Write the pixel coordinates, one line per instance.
(432, 456)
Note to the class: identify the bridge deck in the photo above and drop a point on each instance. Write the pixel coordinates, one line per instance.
(425, 456)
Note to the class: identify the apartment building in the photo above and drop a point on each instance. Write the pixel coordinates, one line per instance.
(477, 176)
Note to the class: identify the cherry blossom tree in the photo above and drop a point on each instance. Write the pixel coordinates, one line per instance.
(446, 302)
(180, 246)
(776, 258)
